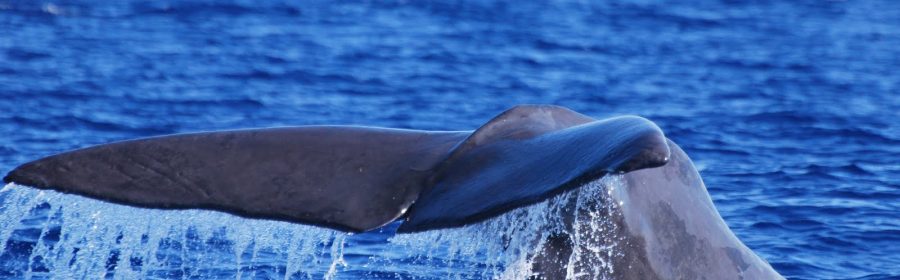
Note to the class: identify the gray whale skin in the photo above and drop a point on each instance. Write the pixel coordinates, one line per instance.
(360, 178)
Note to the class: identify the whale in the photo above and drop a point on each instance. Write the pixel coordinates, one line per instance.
(358, 179)
(667, 225)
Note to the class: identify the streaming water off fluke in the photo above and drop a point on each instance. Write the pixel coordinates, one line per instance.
(63, 236)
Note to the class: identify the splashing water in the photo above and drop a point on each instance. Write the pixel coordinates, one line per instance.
(510, 245)
(46, 234)
(50, 234)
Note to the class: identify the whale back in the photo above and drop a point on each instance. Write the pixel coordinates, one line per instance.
(663, 224)
(668, 212)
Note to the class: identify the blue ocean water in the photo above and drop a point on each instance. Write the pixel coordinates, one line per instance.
(790, 109)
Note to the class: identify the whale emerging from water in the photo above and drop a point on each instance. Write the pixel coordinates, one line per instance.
(360, 178)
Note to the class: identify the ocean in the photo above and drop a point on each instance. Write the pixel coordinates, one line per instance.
(789, 109)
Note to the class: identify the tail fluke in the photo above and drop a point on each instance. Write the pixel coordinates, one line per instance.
(347, 178)
(547, 155)
(359, 178)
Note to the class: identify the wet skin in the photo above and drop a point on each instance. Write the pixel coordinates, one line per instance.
(664, 225)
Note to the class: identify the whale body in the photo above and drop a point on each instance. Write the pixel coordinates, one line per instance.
(360, 178)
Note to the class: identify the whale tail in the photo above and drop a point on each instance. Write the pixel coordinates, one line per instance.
(359, 178)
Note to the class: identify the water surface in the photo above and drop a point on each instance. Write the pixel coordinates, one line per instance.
(789, 108)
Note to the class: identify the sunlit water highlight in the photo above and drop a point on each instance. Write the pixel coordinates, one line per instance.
(60, 236)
